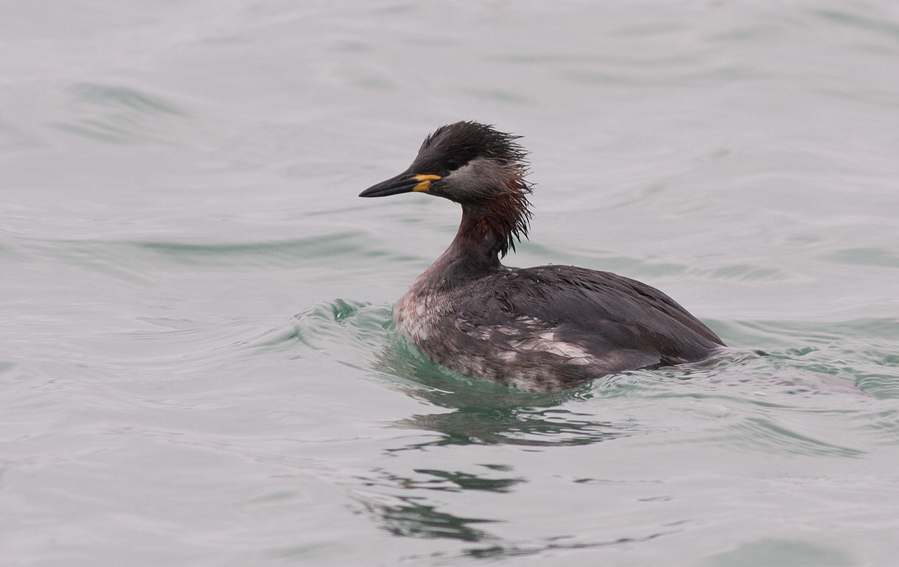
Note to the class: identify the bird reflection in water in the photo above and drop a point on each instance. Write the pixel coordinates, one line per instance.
(487, 413)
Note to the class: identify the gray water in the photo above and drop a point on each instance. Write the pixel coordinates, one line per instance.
(197, 363)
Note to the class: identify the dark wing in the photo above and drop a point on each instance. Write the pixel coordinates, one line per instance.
(605, 314)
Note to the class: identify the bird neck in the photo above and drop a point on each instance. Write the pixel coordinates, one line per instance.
(497, 222)
(482, 236)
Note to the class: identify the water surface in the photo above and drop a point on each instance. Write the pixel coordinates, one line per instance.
(197, 360)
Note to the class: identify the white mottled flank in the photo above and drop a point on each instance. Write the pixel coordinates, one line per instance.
(503, 353)
(419, 314)
(546, 342)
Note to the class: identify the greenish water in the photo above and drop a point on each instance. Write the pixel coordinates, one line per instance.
(197, 361)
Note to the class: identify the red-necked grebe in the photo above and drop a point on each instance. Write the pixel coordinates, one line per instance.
(536, 329)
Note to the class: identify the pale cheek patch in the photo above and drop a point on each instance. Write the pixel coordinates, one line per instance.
(480, 176)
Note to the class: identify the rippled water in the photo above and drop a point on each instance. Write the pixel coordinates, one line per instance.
(197, 360)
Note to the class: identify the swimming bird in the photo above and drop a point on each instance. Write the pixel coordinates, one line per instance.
(536, 329)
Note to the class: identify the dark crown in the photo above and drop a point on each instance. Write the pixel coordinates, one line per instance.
(454, 145)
